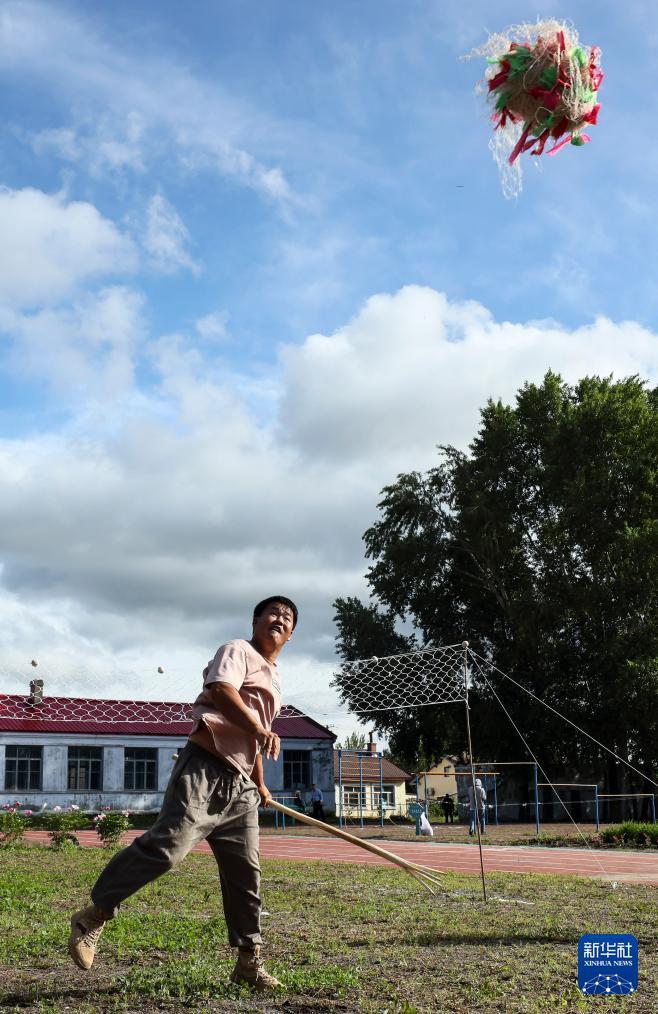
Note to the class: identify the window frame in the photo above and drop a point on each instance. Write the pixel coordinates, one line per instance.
(388, 796)
(300, 764)
(140, 770)
(91, 766)
(33, 768)
(351, 797)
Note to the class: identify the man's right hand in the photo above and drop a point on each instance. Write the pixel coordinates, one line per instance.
(269, 743)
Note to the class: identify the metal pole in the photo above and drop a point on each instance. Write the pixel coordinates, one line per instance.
(470, 754)
(536, 801)
(425, 791)
(381, 790)
(495, 802)
(340, 787)
(361, 789)
(596, 806)
(653, 808)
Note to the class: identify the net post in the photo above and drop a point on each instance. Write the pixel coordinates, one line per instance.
(596, 806)
(495, 801)
(536, 800)
(653, 808)
(470, 755)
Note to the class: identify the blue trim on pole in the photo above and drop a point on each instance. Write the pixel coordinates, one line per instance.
(653, 808)
(340, 787)
(361, 789)
(536, 800)
(495, 801)
(381, 790)
(596, 806)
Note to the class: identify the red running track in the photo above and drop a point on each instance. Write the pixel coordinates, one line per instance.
(606, 864)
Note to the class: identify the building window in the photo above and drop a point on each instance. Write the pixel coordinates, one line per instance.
(85, 768)
(296, 769)
(388, 796)
(22, 768)
(140, 770)
(354, 797)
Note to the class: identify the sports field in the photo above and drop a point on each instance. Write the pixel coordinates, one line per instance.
(342, 937)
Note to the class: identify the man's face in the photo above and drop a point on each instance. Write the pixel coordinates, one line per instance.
(274, 625)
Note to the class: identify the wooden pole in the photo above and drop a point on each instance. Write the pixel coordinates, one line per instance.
(415, 869)
(476, 803)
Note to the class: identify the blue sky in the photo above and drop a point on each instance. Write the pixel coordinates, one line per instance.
(256, 261)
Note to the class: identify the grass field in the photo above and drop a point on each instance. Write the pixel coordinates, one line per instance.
(341, 938)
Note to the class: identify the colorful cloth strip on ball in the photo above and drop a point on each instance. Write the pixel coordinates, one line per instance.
(543, 87)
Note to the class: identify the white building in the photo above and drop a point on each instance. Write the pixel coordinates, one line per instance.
(366, 783)
(95, 753)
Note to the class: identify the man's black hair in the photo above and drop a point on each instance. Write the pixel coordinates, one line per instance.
(284, 602)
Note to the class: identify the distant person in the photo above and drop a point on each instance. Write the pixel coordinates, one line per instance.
(298, 802)
(448, 807)
(317, 803)
(477, 801)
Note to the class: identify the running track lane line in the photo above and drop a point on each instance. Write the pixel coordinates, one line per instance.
(600, 864)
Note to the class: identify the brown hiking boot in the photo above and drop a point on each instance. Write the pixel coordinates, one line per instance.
(86, 927)
(249, 971)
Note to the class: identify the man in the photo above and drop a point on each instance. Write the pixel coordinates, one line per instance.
(448, 807)
(298, 802)
(316, 801)
(213, 793)
(477, 804)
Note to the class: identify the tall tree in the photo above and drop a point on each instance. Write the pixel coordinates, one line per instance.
(540, 547)
(355, 741)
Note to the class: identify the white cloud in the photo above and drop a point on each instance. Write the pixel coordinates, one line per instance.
(166, 238)
(212, 327)
(155, 535)
(135, 94)
(49, 246)
(412, 369)
(87, 350)
(105, 145)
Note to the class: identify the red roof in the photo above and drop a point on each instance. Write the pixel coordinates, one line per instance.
(294, 724)
(128, 718)
(369, 769)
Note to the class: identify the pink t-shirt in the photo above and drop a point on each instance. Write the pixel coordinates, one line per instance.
(257, 682)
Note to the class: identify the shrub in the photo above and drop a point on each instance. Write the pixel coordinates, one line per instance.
(61, 825)
(632, 832)
(110, 825)
(13, 822)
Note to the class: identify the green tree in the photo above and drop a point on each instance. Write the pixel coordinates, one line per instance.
(355, 741)
(540, 547)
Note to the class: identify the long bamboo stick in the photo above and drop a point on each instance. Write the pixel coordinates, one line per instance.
(425, 874)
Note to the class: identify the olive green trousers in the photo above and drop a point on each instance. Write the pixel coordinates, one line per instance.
(205, 800)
